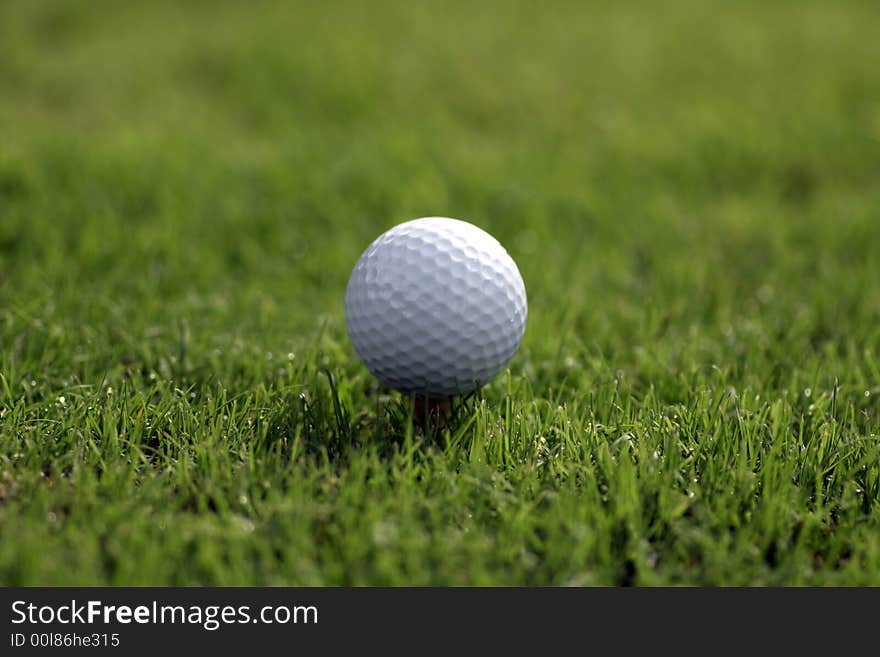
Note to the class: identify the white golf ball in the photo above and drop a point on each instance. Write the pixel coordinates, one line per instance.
(435, 306)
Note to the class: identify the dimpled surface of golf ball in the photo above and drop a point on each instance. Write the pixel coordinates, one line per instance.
(435, 306)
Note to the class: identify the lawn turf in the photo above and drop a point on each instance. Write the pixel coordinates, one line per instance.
(690, 192)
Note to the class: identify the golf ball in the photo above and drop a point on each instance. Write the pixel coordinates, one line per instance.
(435, 306)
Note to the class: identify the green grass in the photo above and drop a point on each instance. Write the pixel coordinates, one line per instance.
(690, 191)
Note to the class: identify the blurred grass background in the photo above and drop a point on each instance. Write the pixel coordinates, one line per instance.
(689, 189)
(240, 157)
